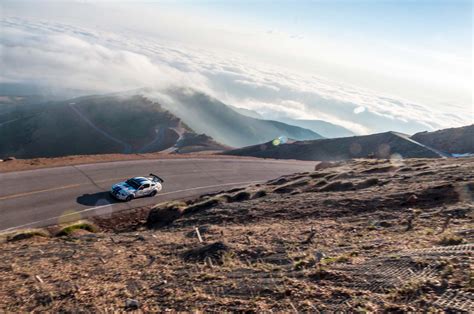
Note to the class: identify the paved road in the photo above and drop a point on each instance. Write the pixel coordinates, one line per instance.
(43, 197)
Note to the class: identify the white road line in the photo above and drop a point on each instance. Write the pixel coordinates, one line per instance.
(97, 207)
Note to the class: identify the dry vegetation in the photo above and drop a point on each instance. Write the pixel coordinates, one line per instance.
(365, 235)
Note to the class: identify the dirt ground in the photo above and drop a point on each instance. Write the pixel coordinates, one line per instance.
(365, 235)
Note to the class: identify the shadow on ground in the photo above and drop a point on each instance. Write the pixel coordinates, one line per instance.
(96, 199)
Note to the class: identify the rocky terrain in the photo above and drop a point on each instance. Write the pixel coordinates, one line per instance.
(361, 235)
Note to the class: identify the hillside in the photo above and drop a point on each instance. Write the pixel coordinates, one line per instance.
(94, 125)
(208, 115)
(382, 145)
(451, 141)
(326, 129)
(323, 128)
(365, 235)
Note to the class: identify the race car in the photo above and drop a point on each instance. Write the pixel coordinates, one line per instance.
(137, 187)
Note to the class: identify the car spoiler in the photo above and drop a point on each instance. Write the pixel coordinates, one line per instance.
(157, 178)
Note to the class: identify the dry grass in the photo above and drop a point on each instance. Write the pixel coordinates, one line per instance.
(24, 234)
(75, 226)
(451, 239)
(267, 262)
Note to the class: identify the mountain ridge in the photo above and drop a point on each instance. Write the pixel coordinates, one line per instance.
(380, 145)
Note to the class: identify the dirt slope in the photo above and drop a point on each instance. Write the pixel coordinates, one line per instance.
(367, 235)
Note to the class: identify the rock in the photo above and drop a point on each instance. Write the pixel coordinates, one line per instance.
(337, 186)
(1, 160)
(140, 237)
(132, 304)
(367, 183)
(319, 256)
(412, 199)
(385, 224)
(10, 158)
(327, 164)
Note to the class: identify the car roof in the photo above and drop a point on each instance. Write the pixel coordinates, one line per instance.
(141, 180)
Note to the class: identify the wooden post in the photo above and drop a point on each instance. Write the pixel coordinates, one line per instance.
(198, 234)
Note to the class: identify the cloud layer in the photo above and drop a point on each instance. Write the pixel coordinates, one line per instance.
(66, 56)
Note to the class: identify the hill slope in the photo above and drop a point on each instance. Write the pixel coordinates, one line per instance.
(333, 240)
(381, 145)
(452, 141)
(94, 125)
(324, 128)
(205, 114)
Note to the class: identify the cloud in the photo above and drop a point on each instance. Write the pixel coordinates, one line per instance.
(359, 109)
(67, 56)
(66, 60)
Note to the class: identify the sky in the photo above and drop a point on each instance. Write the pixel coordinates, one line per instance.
(367, 65)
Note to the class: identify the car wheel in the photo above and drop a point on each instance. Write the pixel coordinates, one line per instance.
(153, 193)
(129, 198)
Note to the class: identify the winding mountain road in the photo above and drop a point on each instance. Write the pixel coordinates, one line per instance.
(36, 198)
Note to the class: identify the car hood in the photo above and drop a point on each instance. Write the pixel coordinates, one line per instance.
(123, 187)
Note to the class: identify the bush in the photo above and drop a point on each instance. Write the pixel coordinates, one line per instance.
(239, 197)
(26, 234)
(451, 240)
(79, 225)
(164, 214)
(259, 193)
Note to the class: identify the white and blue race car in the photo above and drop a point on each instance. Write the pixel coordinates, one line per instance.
(137, 187)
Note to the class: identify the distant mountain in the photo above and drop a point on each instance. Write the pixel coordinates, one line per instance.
(248, 113)
(96, 125)
(323, 128)
(326, 129)
(451, 141)
(381, 145)
(208, 115)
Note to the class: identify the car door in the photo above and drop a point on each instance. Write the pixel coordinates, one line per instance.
(140, 191)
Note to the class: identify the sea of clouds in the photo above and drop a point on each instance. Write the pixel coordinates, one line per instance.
(66, 56)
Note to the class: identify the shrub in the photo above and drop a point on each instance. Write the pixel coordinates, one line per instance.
(239, 197)
(78, 225)
(259, 193)
(451, 240)
(26, 234)
(164, 214)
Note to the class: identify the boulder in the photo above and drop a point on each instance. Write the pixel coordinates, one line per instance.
(132, 304)
(326, 164)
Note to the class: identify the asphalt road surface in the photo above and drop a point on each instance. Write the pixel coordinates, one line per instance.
(36, 198)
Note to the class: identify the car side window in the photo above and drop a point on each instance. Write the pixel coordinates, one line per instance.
(146, 186)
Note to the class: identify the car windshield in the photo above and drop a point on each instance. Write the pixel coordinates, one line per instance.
(133, 183)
